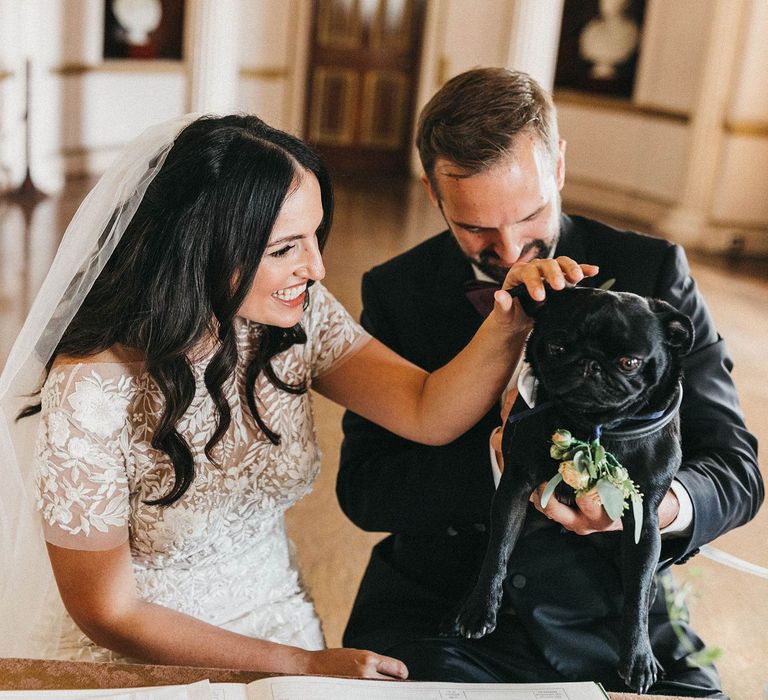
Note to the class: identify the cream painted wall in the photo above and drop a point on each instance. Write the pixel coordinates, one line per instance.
(274, 43)
(82, 116)
(750, 95)
(671, 54)
(645, 145)
(640, 153)
(645, 156)
(471, 34)
(740, 194)
(11, 97)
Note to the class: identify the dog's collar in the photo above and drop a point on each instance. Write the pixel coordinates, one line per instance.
(645, 425)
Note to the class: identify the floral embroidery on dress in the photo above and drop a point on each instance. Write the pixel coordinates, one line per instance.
(220, 552)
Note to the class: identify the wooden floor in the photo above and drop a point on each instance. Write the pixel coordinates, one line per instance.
(373, 222)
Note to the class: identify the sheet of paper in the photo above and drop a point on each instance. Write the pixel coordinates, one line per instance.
(194, 691)
(230, 691)
(298, 688)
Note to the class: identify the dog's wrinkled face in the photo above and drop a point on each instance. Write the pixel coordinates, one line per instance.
(608, 355)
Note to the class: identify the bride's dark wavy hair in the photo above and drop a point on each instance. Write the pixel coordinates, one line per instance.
(184, 266)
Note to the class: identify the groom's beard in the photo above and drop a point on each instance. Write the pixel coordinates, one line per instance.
(488, 262)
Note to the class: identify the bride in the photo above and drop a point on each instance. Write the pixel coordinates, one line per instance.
(176, 336)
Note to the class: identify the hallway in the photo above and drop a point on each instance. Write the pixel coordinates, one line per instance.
(373, 222)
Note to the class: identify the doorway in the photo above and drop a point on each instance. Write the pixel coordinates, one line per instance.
(363, 68)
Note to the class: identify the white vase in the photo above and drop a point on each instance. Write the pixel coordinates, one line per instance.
(139, 18)
(609, 40)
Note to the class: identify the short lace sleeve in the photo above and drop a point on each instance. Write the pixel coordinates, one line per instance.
(332, 334)
(82, 486)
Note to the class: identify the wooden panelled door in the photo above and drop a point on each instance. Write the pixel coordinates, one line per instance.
(362, 81)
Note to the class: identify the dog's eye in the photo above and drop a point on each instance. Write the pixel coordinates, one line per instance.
(555, 350)
(629, 364)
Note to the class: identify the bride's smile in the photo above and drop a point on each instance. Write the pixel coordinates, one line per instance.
(291, 259)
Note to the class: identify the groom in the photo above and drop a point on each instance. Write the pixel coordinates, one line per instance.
(494, 165)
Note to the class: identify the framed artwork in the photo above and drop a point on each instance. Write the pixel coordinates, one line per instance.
(599, 43)
(143, 29)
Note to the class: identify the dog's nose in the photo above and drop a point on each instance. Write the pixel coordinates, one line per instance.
(591, 368)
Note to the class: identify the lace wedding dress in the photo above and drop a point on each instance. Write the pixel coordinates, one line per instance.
(219, 553)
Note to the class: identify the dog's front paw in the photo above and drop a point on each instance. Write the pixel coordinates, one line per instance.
(639, 669)
(476, 618)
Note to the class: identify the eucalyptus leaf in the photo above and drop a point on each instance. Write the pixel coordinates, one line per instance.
(611, 497)
(549, 489)
(581, 460)
(705, 657)
(599, 453)
(607, 284)
(637, 513)
(592, 467)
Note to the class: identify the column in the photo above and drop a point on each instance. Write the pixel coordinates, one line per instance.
(213, 60)
(687, 221)
(534, 37)
(12, 89)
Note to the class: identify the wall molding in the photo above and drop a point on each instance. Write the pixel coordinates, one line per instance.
(617, 104)
(81, 161)
(121, 66)
(757, 128)
(265, 73)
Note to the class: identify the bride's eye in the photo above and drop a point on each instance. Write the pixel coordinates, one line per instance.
(629, 364)
(283, 251)
(555, 350)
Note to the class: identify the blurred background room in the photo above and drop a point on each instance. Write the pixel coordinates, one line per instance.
(663, 104)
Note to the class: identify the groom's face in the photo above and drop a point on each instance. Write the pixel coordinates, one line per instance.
(508, 213)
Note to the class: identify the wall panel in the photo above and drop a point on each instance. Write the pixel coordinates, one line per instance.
(625, 151)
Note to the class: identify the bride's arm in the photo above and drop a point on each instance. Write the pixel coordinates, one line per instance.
(436, 408)
(99, 591)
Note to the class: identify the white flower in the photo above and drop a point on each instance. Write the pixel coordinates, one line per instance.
(79, 449)
(60, 514)
(621, 473)
(109, 480)
(98, 410)
(58, 430)
(562, 438)
(76, 494)
(180, 525)
(556, 452)
(572, 476)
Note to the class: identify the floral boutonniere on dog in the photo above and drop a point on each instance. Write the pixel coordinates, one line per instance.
(588, 467)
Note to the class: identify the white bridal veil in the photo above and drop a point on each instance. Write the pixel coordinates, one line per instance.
(27, 590)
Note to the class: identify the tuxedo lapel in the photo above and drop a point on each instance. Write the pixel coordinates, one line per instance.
(574, 243)
(449, 318)
(571, 242)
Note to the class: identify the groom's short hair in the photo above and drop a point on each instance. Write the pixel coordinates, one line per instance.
(474, 118)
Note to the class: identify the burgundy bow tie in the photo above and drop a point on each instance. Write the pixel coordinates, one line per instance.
(480, 295)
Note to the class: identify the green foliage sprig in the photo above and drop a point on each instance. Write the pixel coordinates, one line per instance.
(585, 466)
(676, 600)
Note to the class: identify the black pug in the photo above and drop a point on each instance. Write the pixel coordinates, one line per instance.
(608, 365)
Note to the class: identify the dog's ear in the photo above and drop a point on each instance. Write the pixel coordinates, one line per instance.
(678, 326)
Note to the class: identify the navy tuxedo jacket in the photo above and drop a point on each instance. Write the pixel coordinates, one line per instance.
(436, 500)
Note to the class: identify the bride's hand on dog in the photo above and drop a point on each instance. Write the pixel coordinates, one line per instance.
(589, 516)
(558, 273)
